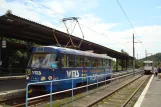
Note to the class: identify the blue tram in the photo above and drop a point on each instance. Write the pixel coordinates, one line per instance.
(52, 63)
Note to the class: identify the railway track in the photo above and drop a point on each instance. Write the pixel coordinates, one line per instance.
(20, 102)
(124, 97)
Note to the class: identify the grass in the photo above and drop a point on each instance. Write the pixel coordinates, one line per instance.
(58, 103)
(68, 100)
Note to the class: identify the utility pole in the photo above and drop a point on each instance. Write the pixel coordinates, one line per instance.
(146, 54)
(133, 57)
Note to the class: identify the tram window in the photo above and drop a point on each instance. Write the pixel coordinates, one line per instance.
(64, 61)
(110, 62)
(104, 63)
(79, 61)
(107, 62)
(147, 64)
(95, 62)
(43, 60)
(71, 61)
(87, 62)
(100, 62)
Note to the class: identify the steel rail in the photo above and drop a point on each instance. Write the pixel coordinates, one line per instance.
(105, 96)
(129, 99)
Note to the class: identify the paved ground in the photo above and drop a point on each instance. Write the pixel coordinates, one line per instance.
(2, 78)
(8, 85)
(152, 97)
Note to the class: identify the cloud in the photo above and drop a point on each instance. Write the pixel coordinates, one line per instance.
(158, 7)
(63, 7)
(154, 17)
(49, 24)
(149, 35)
(1, 1)
(21, 9)
(55, 5)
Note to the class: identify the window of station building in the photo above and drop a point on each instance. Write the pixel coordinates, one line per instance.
(87, 62)
(70, 61)
(64, 61)
(79, 61)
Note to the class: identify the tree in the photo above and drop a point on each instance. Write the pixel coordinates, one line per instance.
(9, 12)
(138, 63)
(124, 52)
(123, 64)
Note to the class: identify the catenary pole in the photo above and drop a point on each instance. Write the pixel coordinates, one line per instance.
(133, 56)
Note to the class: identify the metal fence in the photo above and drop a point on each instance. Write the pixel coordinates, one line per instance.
(72, 89)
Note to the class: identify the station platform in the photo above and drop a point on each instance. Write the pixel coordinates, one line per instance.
(12, 77)
(151, 95)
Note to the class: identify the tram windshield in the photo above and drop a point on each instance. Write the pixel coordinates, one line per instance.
(43, 61)
(147, 64)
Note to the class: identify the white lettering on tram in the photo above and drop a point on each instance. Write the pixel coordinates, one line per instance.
(73, 73)
(96, 76)
(36, 72)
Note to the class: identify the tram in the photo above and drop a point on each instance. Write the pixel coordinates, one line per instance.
(49, 63)
(148, 67)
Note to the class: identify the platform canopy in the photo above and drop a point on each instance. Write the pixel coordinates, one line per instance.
(12, 26)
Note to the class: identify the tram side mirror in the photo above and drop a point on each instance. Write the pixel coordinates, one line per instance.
(53, 65)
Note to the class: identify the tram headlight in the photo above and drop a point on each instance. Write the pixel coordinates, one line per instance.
(43, 78)
(50, 78)
(28, 72)
(27, 77)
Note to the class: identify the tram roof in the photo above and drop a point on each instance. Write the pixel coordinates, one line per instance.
(13, 26)
(77, 52)
(148, 61)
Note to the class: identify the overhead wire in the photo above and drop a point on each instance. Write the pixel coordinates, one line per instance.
(103, 35)
(80, 23)
(47, 8)
(130, 23)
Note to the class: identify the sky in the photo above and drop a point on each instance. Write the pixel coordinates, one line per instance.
(102, 21)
